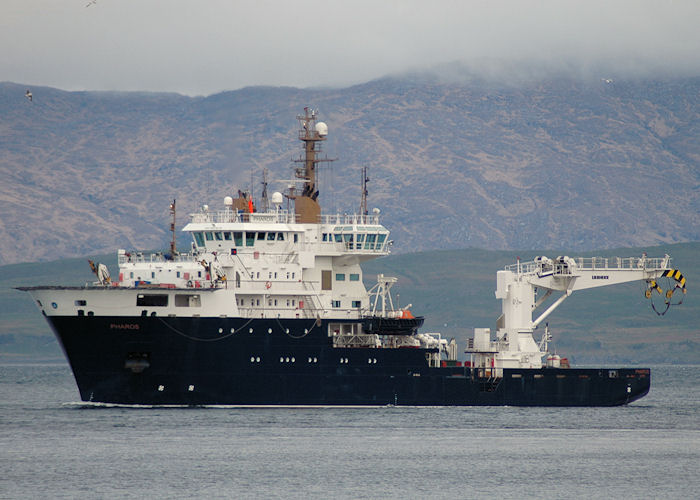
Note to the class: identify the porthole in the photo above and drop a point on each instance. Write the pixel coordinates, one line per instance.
(250, 330)
(269, 330)
(287, 330)
(161, 388)
(287, 360)
(233, 330)
(54, 305)
(293, 360)
(190, 388)
(252, 359)
(221, 330)
(306, 330)
(315, 360)
(281, 360)
(257, 360)
(309, 360)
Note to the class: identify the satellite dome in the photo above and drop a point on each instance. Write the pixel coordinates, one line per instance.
(322, 129)
(228, 201)
(277, 198)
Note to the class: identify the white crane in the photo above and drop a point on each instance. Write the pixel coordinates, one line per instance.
(518, 287)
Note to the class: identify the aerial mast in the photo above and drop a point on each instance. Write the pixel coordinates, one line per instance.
(263, 198)
(363, 200)
(173, 247)
(311, 133)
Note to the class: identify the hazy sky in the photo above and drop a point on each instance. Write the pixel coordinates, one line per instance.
(199, 47)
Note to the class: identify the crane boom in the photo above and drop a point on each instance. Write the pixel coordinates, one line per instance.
(519, 284)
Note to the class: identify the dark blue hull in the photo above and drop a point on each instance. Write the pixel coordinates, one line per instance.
(201, 361)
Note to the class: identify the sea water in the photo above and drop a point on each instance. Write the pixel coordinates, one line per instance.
(53, 446)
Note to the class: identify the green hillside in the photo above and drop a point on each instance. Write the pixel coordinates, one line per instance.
(454, 289)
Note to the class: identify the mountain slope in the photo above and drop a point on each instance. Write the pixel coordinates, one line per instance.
(556, 163)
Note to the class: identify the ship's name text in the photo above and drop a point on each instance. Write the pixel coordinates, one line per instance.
(124, 326)
(600, 277)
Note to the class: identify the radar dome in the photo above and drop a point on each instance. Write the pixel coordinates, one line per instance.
(277, 198)
(228, 201)
(322, 129)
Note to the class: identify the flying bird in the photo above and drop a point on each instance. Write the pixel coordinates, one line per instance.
(28, 95)
(92, 2)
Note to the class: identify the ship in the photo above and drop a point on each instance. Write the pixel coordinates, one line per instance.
(268, 306)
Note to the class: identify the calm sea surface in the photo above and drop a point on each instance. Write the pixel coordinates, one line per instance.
(51, 446)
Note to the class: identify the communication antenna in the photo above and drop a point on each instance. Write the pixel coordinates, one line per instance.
(173, 247)
(363, 199)
(263, 198)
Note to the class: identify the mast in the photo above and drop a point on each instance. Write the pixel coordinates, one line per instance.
(363, 200)
(173, 247)
(263, 198)
(311, 133)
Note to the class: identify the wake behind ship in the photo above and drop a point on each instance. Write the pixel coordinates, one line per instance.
(269, 308)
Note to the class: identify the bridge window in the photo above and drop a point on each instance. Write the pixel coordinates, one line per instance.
(209, 235)
(270, 236)
(249, 239)
(369, 243)
(199, 239)
(340, 277)
(354, 277)
(348, 240)
(227, 236)
(280, 236)
(261, 236)
(218, 236)
(238, 238)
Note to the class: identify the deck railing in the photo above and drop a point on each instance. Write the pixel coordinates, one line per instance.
(279, 217)
(566, 265)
